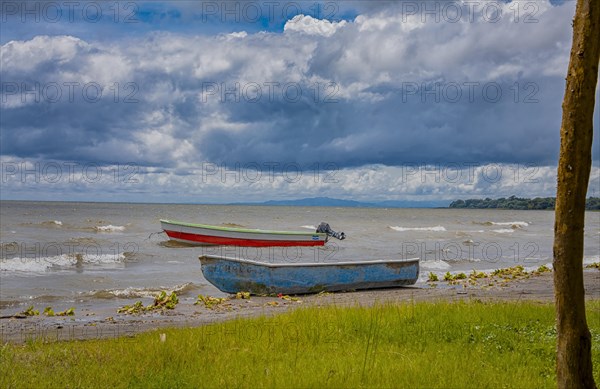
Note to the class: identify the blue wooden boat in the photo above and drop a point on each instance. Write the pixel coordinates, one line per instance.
(232, 275)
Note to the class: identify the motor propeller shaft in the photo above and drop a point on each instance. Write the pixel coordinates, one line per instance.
(324, 227)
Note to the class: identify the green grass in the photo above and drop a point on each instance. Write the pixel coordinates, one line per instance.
(424, 345)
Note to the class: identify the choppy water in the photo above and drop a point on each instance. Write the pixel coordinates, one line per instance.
(99, 254)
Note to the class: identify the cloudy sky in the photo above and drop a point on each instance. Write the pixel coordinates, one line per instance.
(226, 101)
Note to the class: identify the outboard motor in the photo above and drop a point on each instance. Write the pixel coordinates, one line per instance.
(324, 227)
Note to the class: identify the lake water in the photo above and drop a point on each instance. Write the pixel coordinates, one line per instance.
(108, 254)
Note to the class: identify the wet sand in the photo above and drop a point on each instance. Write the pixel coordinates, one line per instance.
(109, 324)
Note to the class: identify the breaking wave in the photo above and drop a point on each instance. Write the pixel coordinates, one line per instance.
(82, 241)
(467, 233)
(132, 292)
(109, 228)
(504, 231)
(519, 224)
(435, 265)
(52, 223)
(63, 261)
(46, 223)
(402, 229)
(513, 225)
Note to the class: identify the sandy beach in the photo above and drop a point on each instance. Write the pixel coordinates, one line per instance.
(108, 323)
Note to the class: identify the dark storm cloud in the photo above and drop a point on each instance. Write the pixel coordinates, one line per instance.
(399, 130)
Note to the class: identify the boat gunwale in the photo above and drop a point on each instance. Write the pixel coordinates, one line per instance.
(310, 264)
(244, 230)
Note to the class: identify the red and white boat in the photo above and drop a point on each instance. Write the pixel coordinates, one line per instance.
(201, 234)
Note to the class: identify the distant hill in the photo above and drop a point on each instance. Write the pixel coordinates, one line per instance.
(330, 202)
(513, 202)
(318, 202)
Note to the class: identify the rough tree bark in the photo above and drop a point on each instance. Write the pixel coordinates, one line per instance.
(574, 362)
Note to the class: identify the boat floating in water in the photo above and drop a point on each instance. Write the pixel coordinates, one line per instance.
(232, 275)
(202, 234)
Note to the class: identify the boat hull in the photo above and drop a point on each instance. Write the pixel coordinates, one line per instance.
(232, 275)
(200, 234)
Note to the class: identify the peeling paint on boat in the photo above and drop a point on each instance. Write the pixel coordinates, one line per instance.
(232, 275)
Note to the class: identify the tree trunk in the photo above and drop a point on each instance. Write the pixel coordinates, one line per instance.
(573, 360)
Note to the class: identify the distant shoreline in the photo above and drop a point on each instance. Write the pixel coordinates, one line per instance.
(510, 203)
(306, 202)
(519, 203)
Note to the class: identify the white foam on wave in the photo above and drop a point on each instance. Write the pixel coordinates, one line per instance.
(504, 231)
(467, 233)
(109, 228)
(52, 223)
(43, 264)
(402, 229)
(512, 224)
(435, 265)
(26, 265)
(132, 292)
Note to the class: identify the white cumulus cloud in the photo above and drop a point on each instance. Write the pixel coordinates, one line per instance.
(308, 25)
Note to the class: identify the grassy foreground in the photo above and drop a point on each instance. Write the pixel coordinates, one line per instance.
(423, 345)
